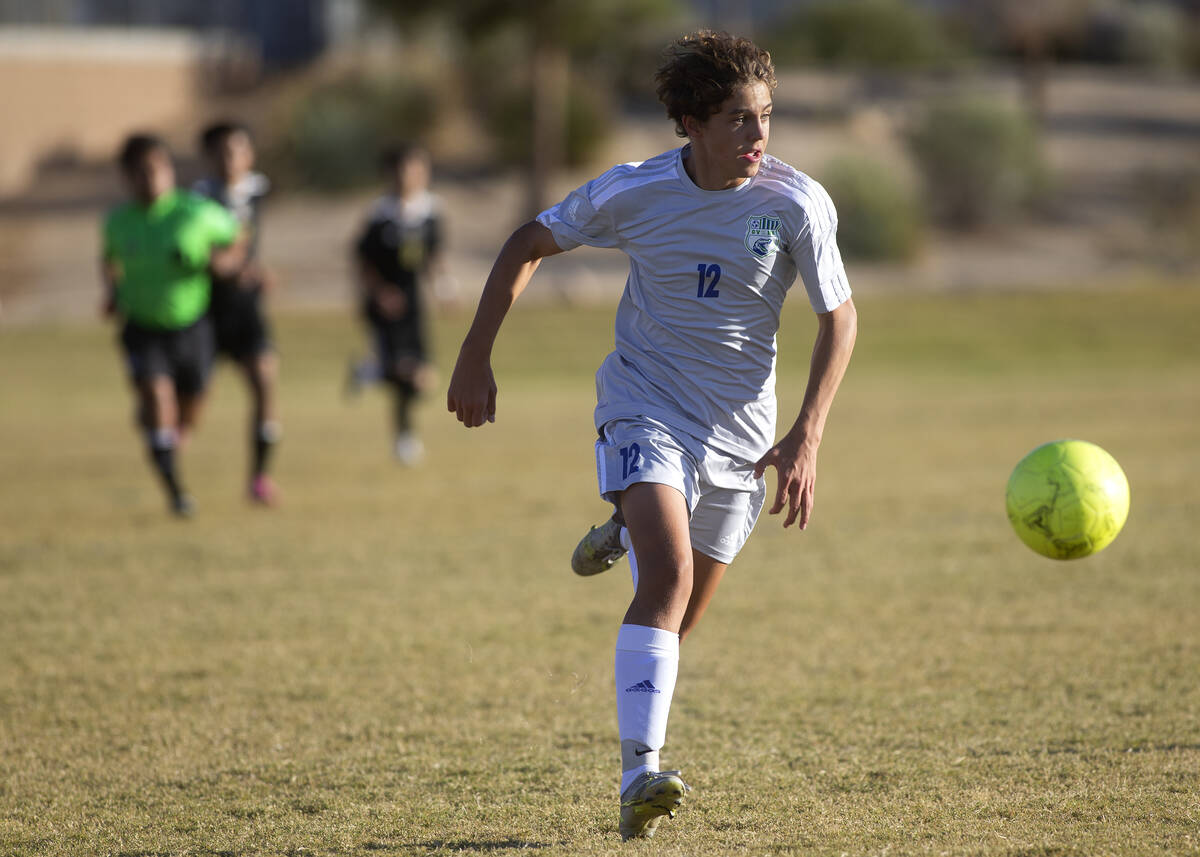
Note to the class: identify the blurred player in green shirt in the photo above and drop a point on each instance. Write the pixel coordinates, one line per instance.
(160, 250)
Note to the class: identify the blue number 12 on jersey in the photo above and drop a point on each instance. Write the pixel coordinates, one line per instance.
(710, 275)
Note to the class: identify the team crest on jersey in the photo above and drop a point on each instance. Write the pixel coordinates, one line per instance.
(762, 234)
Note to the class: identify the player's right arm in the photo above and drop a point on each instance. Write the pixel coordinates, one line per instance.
(373, 287)
(110, 276)
(472, 393)
(110, 270)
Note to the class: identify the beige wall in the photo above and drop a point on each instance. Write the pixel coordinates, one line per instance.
(77, 93)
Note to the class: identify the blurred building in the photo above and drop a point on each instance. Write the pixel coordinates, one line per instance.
(76, 75)
(281, 33)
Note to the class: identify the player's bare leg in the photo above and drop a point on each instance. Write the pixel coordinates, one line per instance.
(161, 411)
(159, 403)
(647, 657)
(706, 576)
(657, 519)
(261, 373)
(190, 407)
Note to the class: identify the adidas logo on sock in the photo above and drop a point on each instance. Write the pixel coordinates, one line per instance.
(642, 687)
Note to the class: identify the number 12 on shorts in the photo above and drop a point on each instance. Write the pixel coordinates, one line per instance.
(631, 459)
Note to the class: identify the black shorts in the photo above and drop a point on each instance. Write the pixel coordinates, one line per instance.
(239, 324)
(398, 343)
(400, 350)
(184, 355)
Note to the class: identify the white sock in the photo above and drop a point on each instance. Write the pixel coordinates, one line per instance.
(368, 371)
(646, 665)
(163, 438)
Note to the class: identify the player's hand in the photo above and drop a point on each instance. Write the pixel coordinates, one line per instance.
(268, 280)
(255, 276)
(108, 306)
(472, 393)
(392, 303)
(796, 464)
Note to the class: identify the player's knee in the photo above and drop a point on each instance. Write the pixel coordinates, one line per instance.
(666, 579)
(259, 382)
(189, 414)
(265, 368)
(156, 394)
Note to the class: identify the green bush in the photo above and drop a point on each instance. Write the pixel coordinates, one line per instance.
(1169, 199)
(879, 216)
(871, 33)
(334, 135)
(1157, 36)
(980, 159)
(588, 122)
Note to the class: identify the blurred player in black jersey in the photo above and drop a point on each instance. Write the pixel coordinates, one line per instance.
(397, 249)
(239, 321)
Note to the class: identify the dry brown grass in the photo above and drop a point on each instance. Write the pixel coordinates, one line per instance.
(400, 662)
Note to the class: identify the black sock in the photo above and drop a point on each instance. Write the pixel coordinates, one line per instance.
(404, 397)
(266, 435)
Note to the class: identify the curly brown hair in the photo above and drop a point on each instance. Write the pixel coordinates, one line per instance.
(700, 71)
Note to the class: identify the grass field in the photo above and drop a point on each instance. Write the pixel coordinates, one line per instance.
(400, 661)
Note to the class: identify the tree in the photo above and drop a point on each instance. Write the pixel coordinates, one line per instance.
(554, 33)
(1035, 29)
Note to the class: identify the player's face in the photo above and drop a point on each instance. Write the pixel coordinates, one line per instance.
(728, 147)
(152, 176)
(235, 156)
(412, 175)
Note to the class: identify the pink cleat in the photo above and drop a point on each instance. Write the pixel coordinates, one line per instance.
(262, 491)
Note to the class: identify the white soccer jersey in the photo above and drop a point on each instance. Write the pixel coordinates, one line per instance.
(411, 213)
(708, 274)
(242, 199)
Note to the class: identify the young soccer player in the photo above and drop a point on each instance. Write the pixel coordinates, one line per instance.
(715, 232)
(397, 250)
(239, 321)
(159, 250)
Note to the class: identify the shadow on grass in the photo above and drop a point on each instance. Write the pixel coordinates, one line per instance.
(173, 853)
(467, 846)
(432, 846)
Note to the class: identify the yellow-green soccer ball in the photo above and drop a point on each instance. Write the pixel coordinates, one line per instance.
(1068, 499)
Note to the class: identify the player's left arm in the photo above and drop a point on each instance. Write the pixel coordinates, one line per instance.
(438, 279)
(256, 274)
(228, 240)
(795, 456)
(227, 259)
(253, 273)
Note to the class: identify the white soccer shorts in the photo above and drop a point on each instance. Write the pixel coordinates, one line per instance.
(723, 497)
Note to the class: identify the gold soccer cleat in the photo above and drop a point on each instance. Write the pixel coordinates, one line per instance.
(647, 800)
(599, 550)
